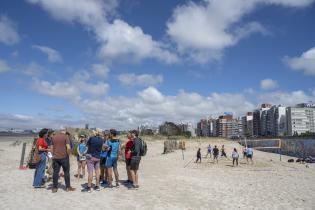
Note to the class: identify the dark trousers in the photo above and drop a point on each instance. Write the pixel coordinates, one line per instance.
(65, 164)
(198, 158)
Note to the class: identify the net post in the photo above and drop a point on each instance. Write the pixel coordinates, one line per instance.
(22, 156)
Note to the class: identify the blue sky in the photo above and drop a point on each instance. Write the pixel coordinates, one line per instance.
(121, 63)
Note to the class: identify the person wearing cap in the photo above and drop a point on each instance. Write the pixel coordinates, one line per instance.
(81, 158)
(93, 155)
(112, 157)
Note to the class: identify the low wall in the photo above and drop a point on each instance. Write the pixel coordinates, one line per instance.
(296, 147)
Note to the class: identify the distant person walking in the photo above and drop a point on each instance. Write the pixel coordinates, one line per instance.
(112, 158)
(135, 158)
(81, 158)
(41, 150)
(93, 155)
(215, 152)
(245, 152)
(61, 151)
(209, 151)
(235, 157)
(223, 154)
(250, 154)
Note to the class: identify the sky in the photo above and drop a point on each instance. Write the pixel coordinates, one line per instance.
(123, 63)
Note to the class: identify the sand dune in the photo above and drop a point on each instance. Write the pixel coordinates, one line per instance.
(169, 182)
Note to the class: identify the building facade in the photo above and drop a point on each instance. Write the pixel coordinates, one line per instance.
(300, 120)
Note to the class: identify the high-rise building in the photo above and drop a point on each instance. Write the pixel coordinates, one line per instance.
(276, 121)
(301, 119)
(226, 126)
(247, 124)
(206, 127)
(263, 122)
(257, 119)
(280, 123)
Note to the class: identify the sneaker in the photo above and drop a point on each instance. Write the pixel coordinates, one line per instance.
(104, 182)
(97, 188)
(117, 184)
(87, 189)
(69, 189)
(54, 190)
(127, 182)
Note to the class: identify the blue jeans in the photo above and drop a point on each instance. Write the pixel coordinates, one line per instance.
(40, 171)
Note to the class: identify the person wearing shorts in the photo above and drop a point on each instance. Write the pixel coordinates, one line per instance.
(249, 154)
(244, 152)
(235, 156)
(103, 175)
(81, 158)
(135, 158)
(93, 155)
(112, 157)
(215, 153)
(128, 147)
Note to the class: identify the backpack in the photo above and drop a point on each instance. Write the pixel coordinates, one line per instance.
(143, 148)
(36, 155)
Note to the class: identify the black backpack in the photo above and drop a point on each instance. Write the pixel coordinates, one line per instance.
(143, 148)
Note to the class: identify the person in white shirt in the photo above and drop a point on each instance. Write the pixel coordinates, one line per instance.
(235, 157)
(209, 150)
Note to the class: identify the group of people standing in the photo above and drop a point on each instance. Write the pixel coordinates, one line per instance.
(98, 153)
(247, 153)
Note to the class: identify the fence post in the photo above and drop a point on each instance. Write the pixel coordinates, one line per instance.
(22, 156)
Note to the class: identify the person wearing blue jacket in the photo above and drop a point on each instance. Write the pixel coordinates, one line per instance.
(112, 157)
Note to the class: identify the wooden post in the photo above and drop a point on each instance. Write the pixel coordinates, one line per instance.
(280, 144)
(22, 156)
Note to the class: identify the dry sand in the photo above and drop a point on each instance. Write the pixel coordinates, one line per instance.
(165, 183)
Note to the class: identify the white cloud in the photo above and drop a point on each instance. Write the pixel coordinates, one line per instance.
(131, 79)
(33, 69)
(286, 98)
(122, 40)
(4, 67)
(100, 70)
(153, 107)
(305, 62)
(117, 38)
(8, 32)
(203, 30)
(86, 12)
(23, 121)
(52, 54)
(268, 84)
(58, 89)
(151, 95)
(74, 89)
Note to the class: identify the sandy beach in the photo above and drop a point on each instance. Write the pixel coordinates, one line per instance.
(169, 182)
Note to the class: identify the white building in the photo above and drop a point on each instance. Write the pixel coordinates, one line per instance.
(300, 120)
